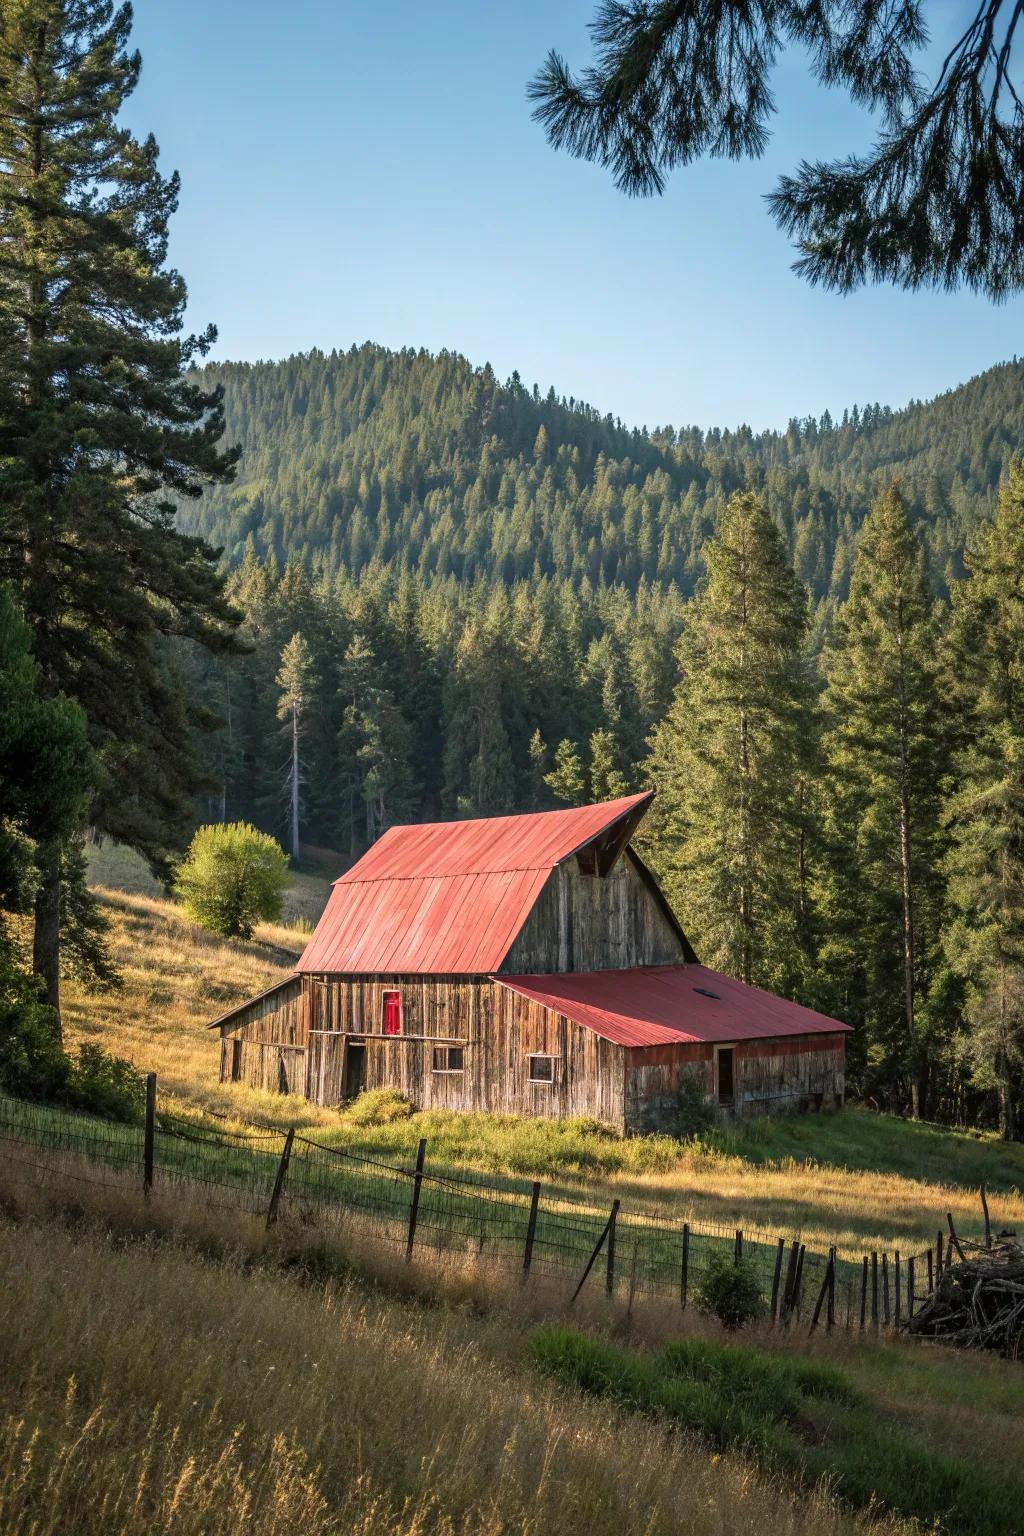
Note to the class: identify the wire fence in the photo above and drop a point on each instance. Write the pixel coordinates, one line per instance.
(522, 1227)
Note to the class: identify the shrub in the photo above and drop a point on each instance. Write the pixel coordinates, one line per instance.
(730, 1291)
(379, 1106)
(232, 878)
(105, 1085)
(35, 1065)
(694, 1111)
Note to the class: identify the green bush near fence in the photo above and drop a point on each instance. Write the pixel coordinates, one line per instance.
(801, 1419)
(731, 1291)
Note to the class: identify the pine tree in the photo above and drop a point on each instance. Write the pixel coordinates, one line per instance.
(883, 747)
(729, 755)
(99, 425)
(295, 679)
(607, 782)
(984, 937)
(566, 780)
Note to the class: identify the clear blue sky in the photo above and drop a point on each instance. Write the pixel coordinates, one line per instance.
(368, 169)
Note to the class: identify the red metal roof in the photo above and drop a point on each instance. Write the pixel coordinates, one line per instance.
(449, 897)
(661, 1004)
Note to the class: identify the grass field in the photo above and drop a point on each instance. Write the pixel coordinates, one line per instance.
(856, 1178)
(305, 1387)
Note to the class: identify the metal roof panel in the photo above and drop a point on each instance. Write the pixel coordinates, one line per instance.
(664, 1004)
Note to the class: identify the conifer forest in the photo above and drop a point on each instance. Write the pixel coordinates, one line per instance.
(462, 597)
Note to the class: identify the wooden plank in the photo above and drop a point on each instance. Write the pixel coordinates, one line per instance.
(531, 1227)
(414, 1208)
(685, 1265)
(149, 1138)
(597, 1249)
(780, 1250)
(282, 1169)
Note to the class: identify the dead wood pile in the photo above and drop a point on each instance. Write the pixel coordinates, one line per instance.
(978, 1302)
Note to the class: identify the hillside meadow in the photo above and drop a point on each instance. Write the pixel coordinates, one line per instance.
(854, 1178)
(318, 1388)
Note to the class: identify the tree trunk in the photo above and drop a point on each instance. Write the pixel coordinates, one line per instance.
(46, 937)
(295, 783)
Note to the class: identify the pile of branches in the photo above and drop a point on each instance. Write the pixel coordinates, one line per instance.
(978, 1302)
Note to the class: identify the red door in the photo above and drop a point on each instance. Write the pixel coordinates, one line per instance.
(392, 1013)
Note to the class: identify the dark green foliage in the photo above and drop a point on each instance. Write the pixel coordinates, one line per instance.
(984, 932)
(100, 430)
(886, 743)
(411, 462)
(732, 753)
(35, 1065)
(695, 1115)
(730, 1290)
(799, 1418)
(936, 202)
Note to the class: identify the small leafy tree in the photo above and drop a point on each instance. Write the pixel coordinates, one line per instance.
(232, 878)
(730, 1291)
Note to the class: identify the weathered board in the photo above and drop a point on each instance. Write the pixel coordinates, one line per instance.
(805, 1072)
(587, 922)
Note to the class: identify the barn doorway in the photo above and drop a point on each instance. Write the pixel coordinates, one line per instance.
(725, 1057)
(355, 1069)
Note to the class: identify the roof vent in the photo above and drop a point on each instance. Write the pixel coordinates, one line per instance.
(704, 992)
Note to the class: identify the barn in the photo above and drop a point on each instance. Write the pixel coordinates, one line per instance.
(529, 965)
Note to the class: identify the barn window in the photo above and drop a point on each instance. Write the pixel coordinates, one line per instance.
(392, 1013)
(447, 1058)
(542, 1069)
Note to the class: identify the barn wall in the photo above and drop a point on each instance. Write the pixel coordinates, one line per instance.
(805, 1072)
(264, 1044)
(587, 922)
(497, 1029)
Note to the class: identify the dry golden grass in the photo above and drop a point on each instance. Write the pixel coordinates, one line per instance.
(148, 1389)
(178, 977)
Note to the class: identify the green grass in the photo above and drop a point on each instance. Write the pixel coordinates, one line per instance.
(801, 1418)
(859, 1139)
(464, 1215)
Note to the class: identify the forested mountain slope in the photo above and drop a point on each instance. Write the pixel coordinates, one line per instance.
(427, 463)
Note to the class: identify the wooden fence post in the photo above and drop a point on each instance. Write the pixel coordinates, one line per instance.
(874, 1291)
(685, 1266)
(823, 1292)
(531, 1228)
(282, 1169)
(831, 1315)
(609, 1279)
(988, 1223)
(896, 1287)
(798, 1283)
(597, 1249)
(886, 1315)
(864, 1294)
(931, 1273)
(789, 1292)
(910, 1287)
(149, 1139)
(780, 1250)
(954, 1241)
(414, 1208)
(939, 1264)
(738, 1250)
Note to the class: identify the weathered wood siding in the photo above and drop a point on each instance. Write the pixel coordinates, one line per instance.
(264, 1044)
(497, 1029)
(295, 1040)
(589, 922)
(805, 1072)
